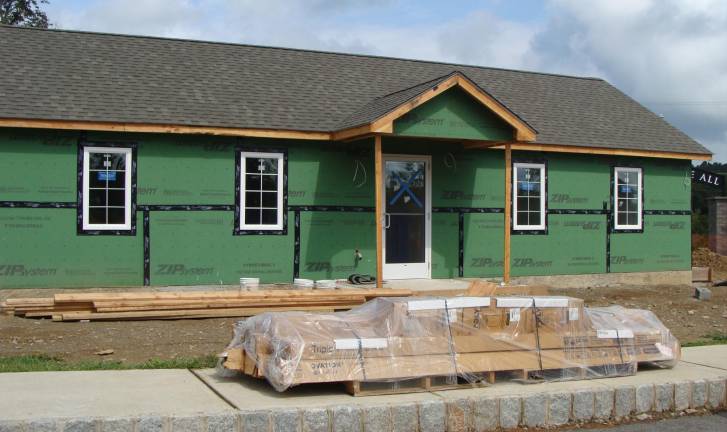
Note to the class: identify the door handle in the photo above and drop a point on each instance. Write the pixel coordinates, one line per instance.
(387, 220)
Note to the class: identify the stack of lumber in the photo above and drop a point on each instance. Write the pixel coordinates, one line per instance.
(466, 337)
(188, 304)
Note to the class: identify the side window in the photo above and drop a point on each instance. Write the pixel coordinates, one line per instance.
(528, 181)
(107, 189)
(261, 191)
(627, 198)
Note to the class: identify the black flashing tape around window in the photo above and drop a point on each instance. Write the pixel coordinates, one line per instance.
(186, 207)
(320, 208)
(36, 204)
(82, 143)
(296, 245)
(577, 212)
(668, 212)
(238, 155)
(147, 250)
(609, 218)
(461, 244)
(468, 210)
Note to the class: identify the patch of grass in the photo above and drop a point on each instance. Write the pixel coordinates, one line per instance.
(42, 362)
(710, 339)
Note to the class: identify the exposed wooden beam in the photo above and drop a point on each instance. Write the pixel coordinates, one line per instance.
(358, 132)
(508, 204)
(163, 128)
(379, 181)
(592, 150)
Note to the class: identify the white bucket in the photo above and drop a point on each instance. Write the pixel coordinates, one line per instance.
(303, 283)
(249, 283)
(326, 284)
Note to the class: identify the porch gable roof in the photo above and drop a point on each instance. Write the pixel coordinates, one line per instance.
(379, 115)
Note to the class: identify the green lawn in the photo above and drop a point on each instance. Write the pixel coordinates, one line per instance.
(711, 339)
(38, 363)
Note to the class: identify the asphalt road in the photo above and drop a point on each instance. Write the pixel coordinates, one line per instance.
(707, 423)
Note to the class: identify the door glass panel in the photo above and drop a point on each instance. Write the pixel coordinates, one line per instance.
(405, 188)
(405, 239)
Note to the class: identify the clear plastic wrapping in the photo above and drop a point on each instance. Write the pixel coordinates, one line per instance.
(453, 339)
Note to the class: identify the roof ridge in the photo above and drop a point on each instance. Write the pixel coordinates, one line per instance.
(439, 78)
(200, 41)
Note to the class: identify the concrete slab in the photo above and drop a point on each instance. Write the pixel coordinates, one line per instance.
(105, 394)
(248, 393)
(683, 371)
(256, 394)
(714, 356)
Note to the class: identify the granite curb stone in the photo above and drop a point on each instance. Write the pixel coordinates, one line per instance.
(345, 418)
(535, 410)
(624, 401)
(510, 411)
(189, 423)
(432, 416)
(316, 420)
(404, 418)
(682, 395)
(644, 398)
(603, 403)
(378, 418)
(716, 392)
(559, 408)
(459, 415)
(256, 421)
(287, 420)
(664, 397)
(486, 413)
(584, 405)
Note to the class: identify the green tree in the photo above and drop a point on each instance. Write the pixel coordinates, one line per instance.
(23, 13)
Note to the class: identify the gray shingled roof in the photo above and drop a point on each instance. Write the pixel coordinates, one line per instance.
(67, 75)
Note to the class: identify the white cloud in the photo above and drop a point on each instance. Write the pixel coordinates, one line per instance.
(669, 54)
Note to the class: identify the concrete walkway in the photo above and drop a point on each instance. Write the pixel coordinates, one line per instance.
(180, 400)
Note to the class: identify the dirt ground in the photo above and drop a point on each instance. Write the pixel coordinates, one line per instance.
(688, 318)
(138, 341)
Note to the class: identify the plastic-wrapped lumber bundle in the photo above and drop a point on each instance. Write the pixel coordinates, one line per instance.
(639, 329)
(453, 339)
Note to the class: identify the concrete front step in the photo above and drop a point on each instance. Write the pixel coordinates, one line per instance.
(178, 401)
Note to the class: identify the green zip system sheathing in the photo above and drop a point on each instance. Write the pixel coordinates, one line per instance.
(330, 192)
(40, 248)
(197, 248)
(453, 114)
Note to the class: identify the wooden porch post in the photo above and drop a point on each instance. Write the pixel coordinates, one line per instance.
(378, 179)
(508, 211)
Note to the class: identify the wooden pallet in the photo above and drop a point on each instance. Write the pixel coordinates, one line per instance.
(482, 379)
(413, 385)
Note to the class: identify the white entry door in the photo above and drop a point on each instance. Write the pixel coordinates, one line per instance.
(407, 217)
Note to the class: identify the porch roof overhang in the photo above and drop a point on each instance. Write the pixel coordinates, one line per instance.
(378, 116)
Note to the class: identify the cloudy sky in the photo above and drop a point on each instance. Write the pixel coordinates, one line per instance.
(671, 55)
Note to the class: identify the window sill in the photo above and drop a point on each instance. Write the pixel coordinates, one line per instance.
(529, 231)
(246, 231)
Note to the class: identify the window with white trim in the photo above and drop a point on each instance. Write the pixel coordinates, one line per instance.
(627, 198)
(107, 188)
(528, 196)
(261, 191)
